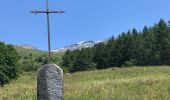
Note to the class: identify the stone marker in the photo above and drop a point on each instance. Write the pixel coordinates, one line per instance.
(50, 83)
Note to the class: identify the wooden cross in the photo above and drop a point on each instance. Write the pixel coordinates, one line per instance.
(47, 12)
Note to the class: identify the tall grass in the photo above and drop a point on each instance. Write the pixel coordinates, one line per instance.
(136, 83)
(24, 88)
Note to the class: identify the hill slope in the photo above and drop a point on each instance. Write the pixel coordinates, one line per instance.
(32, 59)
(26, 52)
(136, 83)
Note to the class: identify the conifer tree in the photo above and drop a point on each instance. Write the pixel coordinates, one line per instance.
(162, 36)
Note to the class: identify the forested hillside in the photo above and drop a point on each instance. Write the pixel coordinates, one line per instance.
(31, 60)
(148, 47)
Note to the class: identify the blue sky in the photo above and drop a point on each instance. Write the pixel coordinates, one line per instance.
(83, 20)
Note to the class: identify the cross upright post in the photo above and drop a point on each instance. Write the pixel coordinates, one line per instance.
(47, 12)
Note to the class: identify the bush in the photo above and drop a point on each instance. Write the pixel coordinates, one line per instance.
(129, 63)
(3, 78)
(65, 69)
(30, 66)
(8, 63)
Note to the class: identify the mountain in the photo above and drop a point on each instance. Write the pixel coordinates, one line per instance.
(80, 45)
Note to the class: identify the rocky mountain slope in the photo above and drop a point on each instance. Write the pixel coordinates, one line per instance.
(80, 45)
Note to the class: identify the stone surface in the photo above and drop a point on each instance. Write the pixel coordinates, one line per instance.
(50, 83)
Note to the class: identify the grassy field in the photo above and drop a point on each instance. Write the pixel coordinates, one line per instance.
(136, 83)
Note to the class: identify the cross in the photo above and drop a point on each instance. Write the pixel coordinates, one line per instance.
(47, 12)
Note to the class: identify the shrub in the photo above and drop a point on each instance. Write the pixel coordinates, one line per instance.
(129, 63)
(8, 63)
(3, 79)
(30, 66)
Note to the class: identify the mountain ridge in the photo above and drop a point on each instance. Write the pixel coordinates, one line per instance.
(79, 45)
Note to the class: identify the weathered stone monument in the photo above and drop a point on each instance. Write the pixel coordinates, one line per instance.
(50, 83)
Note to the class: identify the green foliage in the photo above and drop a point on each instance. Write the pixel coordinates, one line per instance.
(31, 60)
(8, 63)
(3, 78)
(129, 63)
(100, 55)
(83, 61)
(79, 60)
(30, 66)
(162, 36)
(149, 47)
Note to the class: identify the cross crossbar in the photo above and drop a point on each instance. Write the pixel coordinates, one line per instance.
(48, 12)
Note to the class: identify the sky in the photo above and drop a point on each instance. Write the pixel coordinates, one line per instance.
(84, 20)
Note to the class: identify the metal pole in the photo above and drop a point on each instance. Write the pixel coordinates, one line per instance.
(48, 27)
(49, 40)
(47, 8)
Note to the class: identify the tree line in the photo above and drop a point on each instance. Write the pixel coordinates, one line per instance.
(151, 46)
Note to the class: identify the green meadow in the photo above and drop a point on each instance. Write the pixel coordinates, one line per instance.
(134, 83)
